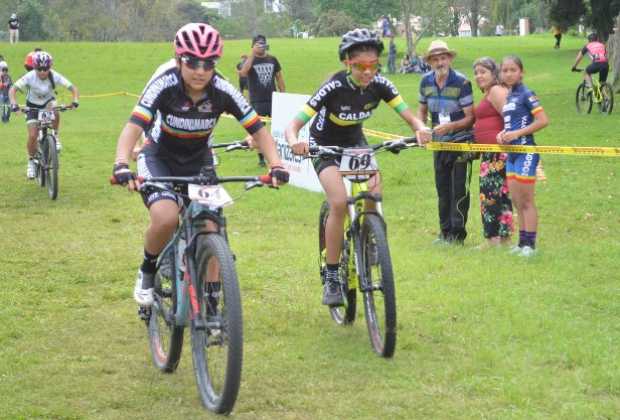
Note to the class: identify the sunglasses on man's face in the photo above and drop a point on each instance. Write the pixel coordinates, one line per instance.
(194, 63)
(41, 69)
(5, 70)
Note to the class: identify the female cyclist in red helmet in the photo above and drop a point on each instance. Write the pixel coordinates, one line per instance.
(178, 110)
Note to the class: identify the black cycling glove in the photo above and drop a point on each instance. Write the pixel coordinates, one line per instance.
(279, 173)
(122, 174)
(75, 104)
(14, 108)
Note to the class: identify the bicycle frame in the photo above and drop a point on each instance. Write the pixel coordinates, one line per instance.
(355, 203)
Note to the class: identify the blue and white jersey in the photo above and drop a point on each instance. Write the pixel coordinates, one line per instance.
(519, 110)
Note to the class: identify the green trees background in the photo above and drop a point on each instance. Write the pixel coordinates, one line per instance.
(151, 20)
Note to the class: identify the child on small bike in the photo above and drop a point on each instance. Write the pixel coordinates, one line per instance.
(341, 105)
(5, 84)
(178, 110)
(523, 116)
(40, 85)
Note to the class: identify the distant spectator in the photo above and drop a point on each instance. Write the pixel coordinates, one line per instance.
(243, 80)
(499, 30)
(392, 57)
(404, 64)
(14, 29)
(264, 76)
(386, 27)
(557, 34)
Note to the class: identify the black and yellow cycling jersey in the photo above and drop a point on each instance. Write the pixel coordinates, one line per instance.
(342, 106)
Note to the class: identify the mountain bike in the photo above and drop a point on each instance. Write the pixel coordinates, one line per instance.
(365, 261)
(196, 285)
(46, 158)
(600, 94)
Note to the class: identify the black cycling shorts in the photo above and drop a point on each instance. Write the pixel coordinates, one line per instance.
(151, 164)
(321, 163)
(601, 68)
(32, 116)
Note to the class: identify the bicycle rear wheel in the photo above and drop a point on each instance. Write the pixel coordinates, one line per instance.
(583, 99)
(345, 314)
(165, 338)
(217, 348)
(51, 167)
(607, 99)
(377, 284)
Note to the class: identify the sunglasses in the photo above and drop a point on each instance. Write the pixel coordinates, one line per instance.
(42, 68)
(5, 70)
(376, 66)
(193, 63)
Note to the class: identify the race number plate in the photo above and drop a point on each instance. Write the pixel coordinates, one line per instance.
(46, 116)
(358, 162)
(213, 196)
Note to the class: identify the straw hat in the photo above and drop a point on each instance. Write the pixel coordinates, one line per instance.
(438, 47)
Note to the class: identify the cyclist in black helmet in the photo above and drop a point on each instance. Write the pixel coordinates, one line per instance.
(341, 105)
(598, 54)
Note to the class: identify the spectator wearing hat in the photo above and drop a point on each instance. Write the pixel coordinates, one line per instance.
(447, 95)
(14, 29)
(264, 76)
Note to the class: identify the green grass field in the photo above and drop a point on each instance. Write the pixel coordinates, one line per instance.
(480, 334)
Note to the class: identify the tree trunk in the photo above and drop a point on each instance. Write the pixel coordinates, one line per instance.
(613, 44)
(474, 17)
(405, 7)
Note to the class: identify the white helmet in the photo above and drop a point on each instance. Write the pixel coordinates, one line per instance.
(3, 65)
(14, 16)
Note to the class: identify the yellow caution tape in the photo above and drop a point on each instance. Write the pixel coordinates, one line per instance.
(553, 150)
(457, 147)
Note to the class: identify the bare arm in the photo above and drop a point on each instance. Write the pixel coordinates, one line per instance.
(291, 133)
(497, 96)
(423, 113)
(578, 59)
(414, 122)
(540, 121)
(267, 146)
(12, 96)
(126, 142)
(245, 68)
(280, 81)
(76, 93)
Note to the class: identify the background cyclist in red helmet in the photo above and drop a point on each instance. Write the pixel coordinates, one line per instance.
(178, 110)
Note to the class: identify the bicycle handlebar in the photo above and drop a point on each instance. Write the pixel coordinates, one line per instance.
(202, 180)
(391, 145)
(576, 70)
(61, 108)
(235, 145)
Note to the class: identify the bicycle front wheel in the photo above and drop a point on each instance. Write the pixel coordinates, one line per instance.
(583, 99)
(342, 315)
(51, 168)
(165, 337)
(607, 99)
(217, 347)
(377, 284)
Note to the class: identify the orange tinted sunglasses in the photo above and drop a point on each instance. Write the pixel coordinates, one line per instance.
(363, 66)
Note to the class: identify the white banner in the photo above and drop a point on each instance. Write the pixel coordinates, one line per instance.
(285, 107)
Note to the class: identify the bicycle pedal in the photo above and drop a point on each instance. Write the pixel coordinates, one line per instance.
(144, 313)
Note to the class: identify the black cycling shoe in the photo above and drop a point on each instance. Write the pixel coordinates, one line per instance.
(332, 294)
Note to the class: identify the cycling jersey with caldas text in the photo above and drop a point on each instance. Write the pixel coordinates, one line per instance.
(341, 106)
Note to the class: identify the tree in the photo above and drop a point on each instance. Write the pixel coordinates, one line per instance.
(473, 9)
(602, 15)
(565, 13)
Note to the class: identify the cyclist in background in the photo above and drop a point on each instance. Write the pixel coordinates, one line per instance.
(178, 110)
(341, 105)
(5, 84)
(598, 54)
(40, 85)
(28, 60)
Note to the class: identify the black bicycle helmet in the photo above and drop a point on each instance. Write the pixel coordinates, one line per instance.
(592, 37)
(356, 38)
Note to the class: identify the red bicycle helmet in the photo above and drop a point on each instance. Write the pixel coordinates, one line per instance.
(198, 39)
